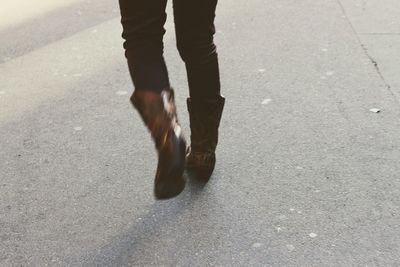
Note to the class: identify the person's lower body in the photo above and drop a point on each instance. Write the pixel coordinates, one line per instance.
(143, 30)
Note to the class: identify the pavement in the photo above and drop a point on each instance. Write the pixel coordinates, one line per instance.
(307, 174)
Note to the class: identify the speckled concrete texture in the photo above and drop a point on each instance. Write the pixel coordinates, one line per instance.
(306, 174)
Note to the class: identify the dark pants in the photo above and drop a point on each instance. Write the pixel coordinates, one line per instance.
(143, 31)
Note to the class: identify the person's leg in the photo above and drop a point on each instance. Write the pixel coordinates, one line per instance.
(194, 24)
(143, 32)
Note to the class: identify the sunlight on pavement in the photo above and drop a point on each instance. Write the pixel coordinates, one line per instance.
(18, 11)
(49, 75)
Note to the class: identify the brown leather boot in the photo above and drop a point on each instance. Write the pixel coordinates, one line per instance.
(158, 112)
(205, 117)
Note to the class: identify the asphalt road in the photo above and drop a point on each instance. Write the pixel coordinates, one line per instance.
(307, 175)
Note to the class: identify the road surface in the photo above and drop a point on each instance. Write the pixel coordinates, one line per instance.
(307, 174)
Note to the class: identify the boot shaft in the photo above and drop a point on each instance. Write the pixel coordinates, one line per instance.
(158, 112)
(205, 117)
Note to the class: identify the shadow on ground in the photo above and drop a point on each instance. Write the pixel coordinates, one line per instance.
(132, 245)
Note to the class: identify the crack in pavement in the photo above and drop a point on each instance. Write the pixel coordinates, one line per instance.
(373, 61)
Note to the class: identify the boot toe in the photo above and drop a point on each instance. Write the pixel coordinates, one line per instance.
(200, 165)
(168, 189)
(169, 181)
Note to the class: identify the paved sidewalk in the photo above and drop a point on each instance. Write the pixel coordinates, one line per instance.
(307, 174)
(377, 25)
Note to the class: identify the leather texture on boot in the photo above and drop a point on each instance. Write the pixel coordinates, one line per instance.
(205, 117)
(158, 112)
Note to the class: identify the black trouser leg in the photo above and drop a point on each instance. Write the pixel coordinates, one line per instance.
(194, 26)
(143, 31)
